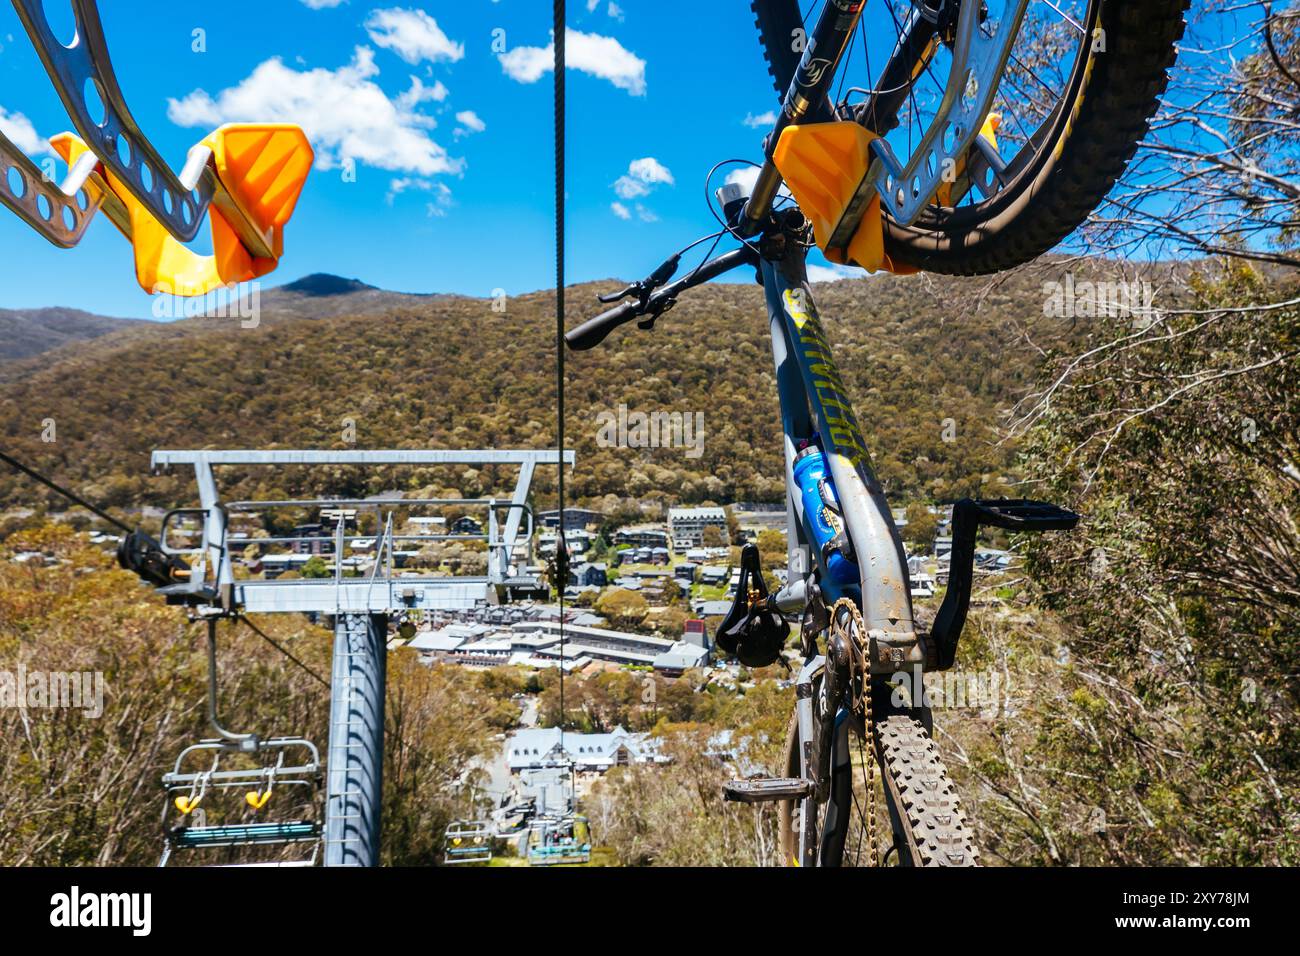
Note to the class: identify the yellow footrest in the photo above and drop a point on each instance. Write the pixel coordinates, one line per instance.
(260, 169)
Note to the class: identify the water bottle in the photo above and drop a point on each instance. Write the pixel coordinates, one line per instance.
(822, 515)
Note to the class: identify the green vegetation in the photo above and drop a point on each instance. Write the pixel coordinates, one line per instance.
(295, 379)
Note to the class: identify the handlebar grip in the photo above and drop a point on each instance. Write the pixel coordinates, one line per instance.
(592, 332)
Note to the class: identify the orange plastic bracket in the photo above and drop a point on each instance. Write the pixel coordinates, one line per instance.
(825, 166)
(261, 168)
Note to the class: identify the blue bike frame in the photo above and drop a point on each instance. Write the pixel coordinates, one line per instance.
(813, 399)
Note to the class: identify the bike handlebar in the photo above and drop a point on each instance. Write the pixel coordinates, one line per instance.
(592, 332)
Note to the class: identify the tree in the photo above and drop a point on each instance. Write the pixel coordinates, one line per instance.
(315, 567)
(624, 607)
(922, 526)
(713, 537)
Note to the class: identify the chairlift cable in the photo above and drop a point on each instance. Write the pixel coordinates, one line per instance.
(561, 551)
(264, 636)
(71, 496)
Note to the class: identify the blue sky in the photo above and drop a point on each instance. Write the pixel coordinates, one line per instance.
(450, 137)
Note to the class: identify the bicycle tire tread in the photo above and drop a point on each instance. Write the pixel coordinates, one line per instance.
(918, 778)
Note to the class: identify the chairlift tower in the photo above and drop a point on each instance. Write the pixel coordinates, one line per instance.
(360, 607)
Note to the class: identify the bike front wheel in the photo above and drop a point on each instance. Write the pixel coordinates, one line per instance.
(908, 803)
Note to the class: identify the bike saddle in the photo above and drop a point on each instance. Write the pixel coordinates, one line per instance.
(752, 632)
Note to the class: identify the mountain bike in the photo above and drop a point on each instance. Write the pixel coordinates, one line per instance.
(905, 173)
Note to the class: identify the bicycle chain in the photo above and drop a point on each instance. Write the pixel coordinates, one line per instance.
(860, 702)
(911, 758)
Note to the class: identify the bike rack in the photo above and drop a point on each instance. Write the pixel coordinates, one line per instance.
(60, 213)
(978, 58)
(244, 178)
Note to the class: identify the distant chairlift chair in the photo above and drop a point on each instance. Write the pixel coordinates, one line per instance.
(468, 841)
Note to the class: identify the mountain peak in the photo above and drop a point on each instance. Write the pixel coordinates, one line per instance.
(324, 284)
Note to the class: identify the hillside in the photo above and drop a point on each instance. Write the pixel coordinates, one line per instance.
(28, 332)
(449, 371)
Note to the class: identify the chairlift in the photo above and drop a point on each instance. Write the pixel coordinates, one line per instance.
(287, 770)
(294, 777)
(468, 841)
(560, 841)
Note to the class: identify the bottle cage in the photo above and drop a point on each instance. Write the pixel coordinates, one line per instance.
(752, 632)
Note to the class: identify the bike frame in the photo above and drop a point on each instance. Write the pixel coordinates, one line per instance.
(813, 398)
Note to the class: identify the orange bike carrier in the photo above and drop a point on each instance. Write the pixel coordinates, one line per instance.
(825, 166)
(262, 168)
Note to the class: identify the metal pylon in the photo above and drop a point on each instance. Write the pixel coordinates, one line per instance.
(356, 746)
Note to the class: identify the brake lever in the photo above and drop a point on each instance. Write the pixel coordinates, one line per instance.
(642, 289)
(615, 296)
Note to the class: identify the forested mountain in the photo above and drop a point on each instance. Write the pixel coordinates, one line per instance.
(27, 332)
(931, 364)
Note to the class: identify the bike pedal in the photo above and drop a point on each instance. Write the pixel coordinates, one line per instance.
(767, 789)
(1022, 514)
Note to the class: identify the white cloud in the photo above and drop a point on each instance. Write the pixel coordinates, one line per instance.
(346, 115)
(322, 4)
(413, 35)
(615, 11)
(762, 119)
(833, 272)
(599, 56)
(470, 121)
(419, 93)
(641, 177)
(23, 134)
(440, 193)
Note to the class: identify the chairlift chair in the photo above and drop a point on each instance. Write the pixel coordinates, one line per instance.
(296, 770)
(468, 841)
(560, 841)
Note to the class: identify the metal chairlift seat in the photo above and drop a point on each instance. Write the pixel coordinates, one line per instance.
(186, 789)
(468, 841)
